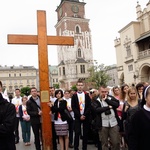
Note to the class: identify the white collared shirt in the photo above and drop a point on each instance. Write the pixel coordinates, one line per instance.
(17, 101)
(107, 120)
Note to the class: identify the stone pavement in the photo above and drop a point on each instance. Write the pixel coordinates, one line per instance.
(21, 146)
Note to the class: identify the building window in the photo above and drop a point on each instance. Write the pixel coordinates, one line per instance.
(27, 81)
(82, 68)
(10, 82)
(4, 82)
(15, 81)
(20, 74)
(63, 70)
(9, 75)
(20, 86)
(77, 30)
(32, 81)
(130, 67)
(128, 49)
(79, 52)
(10, 88)
(53, 80)
(56, 80)
(14, 75)
(16, 87)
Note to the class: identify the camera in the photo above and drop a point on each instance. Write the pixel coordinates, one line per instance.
(108, 112)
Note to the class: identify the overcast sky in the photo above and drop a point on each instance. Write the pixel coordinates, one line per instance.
(107, 17)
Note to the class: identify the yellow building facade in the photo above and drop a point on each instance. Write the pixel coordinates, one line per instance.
(14, 77)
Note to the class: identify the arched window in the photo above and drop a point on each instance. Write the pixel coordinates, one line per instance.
(77, 30)
(79, 52)
(64, 71)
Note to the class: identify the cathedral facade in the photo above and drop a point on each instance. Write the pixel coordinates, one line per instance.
(73, 61)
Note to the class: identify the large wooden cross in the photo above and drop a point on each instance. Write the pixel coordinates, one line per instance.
(42, 40)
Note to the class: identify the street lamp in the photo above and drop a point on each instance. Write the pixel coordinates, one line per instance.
(135, 76)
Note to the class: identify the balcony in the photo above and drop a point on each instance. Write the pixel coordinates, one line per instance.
(129, 59)
(83, 75)
(144, 54)
(62, 77)
(120, 68)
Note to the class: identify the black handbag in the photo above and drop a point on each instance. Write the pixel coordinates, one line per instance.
(68, 115)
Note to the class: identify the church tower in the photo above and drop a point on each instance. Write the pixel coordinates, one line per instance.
(73, 61)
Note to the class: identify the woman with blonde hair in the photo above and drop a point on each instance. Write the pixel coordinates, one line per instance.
(132, 105)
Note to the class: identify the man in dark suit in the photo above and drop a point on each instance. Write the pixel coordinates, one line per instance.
(81, 106)
(34, 110)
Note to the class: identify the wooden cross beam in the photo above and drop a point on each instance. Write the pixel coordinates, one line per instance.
(42, 40)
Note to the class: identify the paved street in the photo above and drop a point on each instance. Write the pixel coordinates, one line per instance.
(21, 146)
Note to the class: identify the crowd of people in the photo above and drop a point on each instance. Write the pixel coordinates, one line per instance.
(116, 118)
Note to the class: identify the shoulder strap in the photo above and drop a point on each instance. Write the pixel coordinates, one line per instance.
(35, 103)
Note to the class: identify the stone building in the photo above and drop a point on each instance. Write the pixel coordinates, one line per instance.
(133, 49)
(53, 75)
(14, 77)
(73, 61)
(112, 72)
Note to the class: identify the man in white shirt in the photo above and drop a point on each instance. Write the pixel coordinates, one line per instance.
(109, 119)
(17, 101)
(81, 106)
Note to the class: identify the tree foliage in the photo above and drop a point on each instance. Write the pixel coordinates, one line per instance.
(74, 88)
(56, 86)
(98, 75)
(25, 91)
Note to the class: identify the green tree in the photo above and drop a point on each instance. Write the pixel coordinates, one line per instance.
(74, 88)
(98, 75)
(25, 91)
(56, 86)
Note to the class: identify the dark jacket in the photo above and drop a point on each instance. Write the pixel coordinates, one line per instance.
(113, 102)
(139, 131)
(96, 118)
(128, 115)
(7, 119)
(62, 106)
(33, 110)
(76, 108)
(20, 113)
